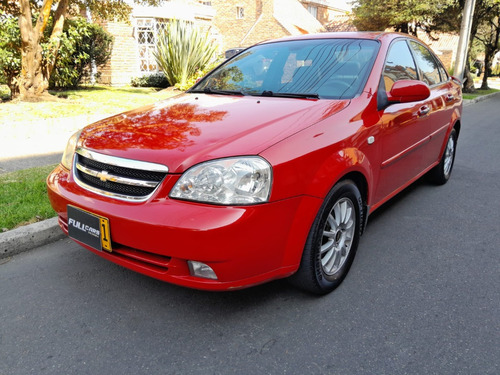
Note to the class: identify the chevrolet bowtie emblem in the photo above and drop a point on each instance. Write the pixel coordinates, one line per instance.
(103, 176)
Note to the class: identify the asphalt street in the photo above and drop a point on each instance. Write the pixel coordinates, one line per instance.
(422, 297)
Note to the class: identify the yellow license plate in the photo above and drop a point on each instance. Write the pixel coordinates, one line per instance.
(88, 228)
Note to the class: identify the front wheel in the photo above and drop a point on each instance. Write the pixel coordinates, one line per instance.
(441, 173)
(332, 242)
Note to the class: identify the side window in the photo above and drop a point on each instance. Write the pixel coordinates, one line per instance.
(427, 64)
(442, 71)
(399, 65)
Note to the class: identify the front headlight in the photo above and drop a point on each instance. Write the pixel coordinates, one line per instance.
(233, 181)
(69, 151)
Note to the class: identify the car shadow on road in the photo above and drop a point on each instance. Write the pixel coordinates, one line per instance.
(398, 199)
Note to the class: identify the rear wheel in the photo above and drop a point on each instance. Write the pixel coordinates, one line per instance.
(332, 241)
(441, 173)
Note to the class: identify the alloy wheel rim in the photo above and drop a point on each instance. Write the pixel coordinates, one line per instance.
(338, 234)
(448, 157)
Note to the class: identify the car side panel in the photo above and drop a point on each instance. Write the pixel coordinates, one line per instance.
(448, 108)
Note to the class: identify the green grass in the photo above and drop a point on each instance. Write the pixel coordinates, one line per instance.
(479, 93)
(84, 101)
(23, 197)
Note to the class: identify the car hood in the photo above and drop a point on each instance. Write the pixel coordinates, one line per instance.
(192, 128)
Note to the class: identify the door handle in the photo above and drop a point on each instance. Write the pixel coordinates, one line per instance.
(424, 110)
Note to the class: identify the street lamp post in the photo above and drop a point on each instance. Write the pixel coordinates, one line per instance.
(464, 38)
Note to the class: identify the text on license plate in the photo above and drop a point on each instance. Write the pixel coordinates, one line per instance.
(88, 228)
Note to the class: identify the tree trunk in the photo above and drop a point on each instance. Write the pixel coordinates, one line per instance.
(488, 60)
(468, 85)
(31, 81)
(55, 40)
(489, 53)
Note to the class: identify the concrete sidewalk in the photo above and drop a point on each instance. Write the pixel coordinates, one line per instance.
(25, 145)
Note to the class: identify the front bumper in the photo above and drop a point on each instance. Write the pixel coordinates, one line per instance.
(244, 245)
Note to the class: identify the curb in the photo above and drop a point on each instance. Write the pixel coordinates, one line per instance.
(28, 237)
(467, 102)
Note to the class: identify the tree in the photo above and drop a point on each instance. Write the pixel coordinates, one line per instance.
(489, 36)
(36, 64)
(405, 16)
(427, 15)
(484, 10)
(10, 59)
(82, 45)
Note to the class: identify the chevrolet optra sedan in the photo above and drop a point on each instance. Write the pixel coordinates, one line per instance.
(268, 167)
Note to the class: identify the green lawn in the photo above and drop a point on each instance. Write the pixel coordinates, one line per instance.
(23, 197)
(479, 93)
(84, 101)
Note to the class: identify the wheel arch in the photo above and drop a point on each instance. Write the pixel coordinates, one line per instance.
(361, 183)
(457, 126)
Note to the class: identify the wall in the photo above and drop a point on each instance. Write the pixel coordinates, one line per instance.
(257, 25)
(122, 66)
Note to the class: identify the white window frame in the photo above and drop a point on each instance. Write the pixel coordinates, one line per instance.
(240, 12)
(313, 10)
(155, 25)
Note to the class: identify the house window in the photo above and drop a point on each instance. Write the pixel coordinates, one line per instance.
(313, 10)
(240, 13)
(147, 30)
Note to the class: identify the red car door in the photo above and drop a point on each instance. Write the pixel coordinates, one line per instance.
(404, 127)
(445, 97)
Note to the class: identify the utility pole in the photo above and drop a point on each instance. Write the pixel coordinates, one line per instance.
(463, 42)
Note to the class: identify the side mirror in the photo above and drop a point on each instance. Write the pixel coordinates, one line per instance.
(406, 91)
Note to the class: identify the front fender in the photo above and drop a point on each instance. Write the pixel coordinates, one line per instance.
(315, 172)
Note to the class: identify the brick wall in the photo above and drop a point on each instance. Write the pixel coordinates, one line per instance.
(232, 28)
(267, 28)
(122, 66)
(446, 58)
(238, 32)
(325, 13)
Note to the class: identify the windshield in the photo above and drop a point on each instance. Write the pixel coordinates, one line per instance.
(321, 68)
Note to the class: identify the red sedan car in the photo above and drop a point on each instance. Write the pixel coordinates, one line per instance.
(268, 167)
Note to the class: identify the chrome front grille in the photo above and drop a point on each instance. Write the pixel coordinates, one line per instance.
(119, 178)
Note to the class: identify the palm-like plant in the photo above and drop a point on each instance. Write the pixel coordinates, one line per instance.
(183, 50)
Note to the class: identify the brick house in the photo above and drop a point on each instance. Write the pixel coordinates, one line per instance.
(444, 45)
(234, 23)
(245, 22)
(134, 42)
(327, 11)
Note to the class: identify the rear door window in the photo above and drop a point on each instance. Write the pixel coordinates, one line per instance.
(399, 65)
(429, 67)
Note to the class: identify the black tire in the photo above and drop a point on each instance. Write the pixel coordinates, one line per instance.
(332, 241)
(441, 173)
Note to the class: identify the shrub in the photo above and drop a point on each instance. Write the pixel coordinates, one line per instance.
(82, 44)
(197, 76)
(183, 50)
(4, 92)
(153, 80)
(10, 57)
(495, 70)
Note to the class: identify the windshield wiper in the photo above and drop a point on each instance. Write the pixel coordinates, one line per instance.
(208, 90)
(290, 95)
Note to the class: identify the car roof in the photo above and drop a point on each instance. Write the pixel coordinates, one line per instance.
(373, 35)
